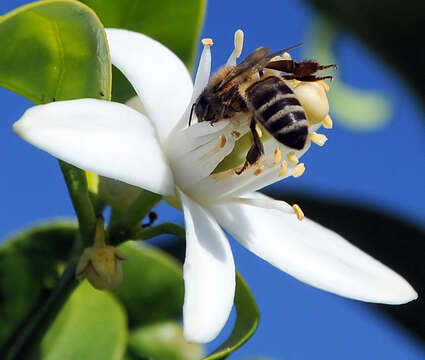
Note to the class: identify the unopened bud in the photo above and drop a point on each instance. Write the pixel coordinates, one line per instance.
(100, 263)
(313, 99)
(117, 194)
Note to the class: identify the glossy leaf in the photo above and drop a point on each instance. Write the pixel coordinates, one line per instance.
(396, 242)
(175, 23)
(246, 321)
(29, 270)
(162, 341)
(91, 325)
(54, 50)
(152, 289)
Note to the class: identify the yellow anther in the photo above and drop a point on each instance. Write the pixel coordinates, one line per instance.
(292, 158)
(327, 122)
(207, 42)
(298, 211)
(222, 141)
(235, 134)
(318, 139)
(259, 170)
(284, 168)
(258, 130)
(323, 85)
(277, 155)
(238, 42)
(298, 170)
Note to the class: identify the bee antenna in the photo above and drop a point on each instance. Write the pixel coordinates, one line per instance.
(285, 50)
(191, 112)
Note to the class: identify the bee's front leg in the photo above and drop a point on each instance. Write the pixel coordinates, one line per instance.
(256, 150)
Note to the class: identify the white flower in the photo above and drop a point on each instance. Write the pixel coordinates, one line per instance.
(160, 153)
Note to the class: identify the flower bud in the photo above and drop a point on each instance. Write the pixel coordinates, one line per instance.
(100, 263)
(313, 99)
(117, 194)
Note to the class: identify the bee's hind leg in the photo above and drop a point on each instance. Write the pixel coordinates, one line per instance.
(256, 150)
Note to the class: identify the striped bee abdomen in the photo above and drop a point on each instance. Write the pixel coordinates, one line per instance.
(275, 106)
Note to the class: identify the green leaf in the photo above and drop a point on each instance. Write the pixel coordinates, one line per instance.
(29, 270)
(91, 325)
(54, 50)
(183, 19)
(152, 289)
(162, 341)
(247, 320)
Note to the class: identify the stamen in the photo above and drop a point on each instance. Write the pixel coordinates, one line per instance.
(235, 134)
(323, 85)
(284, 168)
(327, 122)
(259, 170)
(292, 158)
(238, 40)
(298, 211)
(258, 130)
(238, 45)
(298, 170)
(207, 42)
(222, 141)
(277, 155)
(204, 69)
(318, 139)
(201, 80)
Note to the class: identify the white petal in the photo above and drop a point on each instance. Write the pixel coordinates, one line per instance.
(159, 77)
(312, 253)
(209, 274)
(201, 81)
(108, 138)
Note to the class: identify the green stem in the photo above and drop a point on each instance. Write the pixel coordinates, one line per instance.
(164, 228)
(76, 182)
(122, 228)
(34, 331)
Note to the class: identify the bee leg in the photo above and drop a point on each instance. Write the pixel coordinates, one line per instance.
(298, 70)
(256, 150)
(307, 78)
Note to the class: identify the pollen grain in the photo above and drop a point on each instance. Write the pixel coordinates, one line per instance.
(259, 170)
(298, 170)
(327, 122)
(222, 141)
(284, 168)
(318, 139)
(292, 158)
(235, 134)
(298, 211)
(207, 42)
(277, 155)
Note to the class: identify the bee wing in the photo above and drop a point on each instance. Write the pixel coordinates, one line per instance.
(255, 61)
(281, 65)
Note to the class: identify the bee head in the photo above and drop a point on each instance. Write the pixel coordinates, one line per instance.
(207, 108)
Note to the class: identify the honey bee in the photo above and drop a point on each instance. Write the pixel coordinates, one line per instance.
(246, 88)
